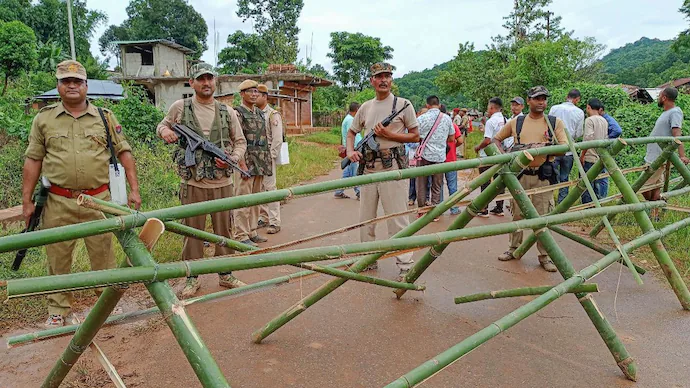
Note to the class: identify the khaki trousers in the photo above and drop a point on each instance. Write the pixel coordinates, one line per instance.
(270, 212)
(245, 219)
(393, 198)
(193, 248)
(436, 186)
(61, 211)
(543, 202)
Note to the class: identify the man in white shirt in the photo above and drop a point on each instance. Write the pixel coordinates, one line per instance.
(517, 105)
(494, 124)
(574, 119)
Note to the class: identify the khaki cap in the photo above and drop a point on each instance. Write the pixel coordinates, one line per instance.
(463, 110)
(202, 68)
(381, 67)
(248, 84)
(70, 69)
(262, 88)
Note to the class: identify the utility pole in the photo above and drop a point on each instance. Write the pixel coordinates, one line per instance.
(517, 27)
(548, 25)
(71, 30)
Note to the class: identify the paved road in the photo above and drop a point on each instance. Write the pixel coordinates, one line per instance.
(360, 336)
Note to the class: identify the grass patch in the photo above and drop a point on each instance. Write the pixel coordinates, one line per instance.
(332, 137)
(307, 161)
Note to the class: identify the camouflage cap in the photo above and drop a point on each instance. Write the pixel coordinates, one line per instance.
(262, 88)
(381, 67)
(518, 100)
(70, 69)
(248, 84)
(202, 68)
(538, 91)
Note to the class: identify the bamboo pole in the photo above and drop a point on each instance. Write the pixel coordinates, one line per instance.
(27, 338)
(675, 193)
(86, 229)
(171, 226)
(653, 167)
(681, 168)
(615, 345)
(605, 220)
(604, 250)
(450, 356)
(517, 292)
(573, 196)
(92, 324)
(630, 197)
(176, 317)
(359, 266)
(361, 278)
(471, 211)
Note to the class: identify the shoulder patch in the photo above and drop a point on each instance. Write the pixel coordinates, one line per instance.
(118, 128)
(48, 107)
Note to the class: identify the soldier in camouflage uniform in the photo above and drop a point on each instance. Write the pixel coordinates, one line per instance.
(210, 178)
(269, 214)
(258, 163)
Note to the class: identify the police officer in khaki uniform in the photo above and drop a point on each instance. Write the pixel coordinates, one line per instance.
(269, 214)
(210, 178)
(535, 128)
(257, 160)
(391, 156)
(68, 145)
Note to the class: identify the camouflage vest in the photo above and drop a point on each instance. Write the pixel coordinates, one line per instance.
(219, 135)
(258, 155)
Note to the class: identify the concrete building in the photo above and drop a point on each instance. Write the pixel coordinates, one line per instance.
(163, 68)
(159, 65)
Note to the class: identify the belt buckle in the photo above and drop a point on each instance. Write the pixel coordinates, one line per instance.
(76, 193)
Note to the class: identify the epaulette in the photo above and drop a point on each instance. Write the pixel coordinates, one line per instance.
(48, 107)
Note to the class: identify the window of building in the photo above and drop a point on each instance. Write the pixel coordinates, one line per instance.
(187, 85)
(186, 95)
(146, 51)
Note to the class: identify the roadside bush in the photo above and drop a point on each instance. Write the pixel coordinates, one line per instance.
(612, 97)
(11, 163)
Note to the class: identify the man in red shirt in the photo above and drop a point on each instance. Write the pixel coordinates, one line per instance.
(451, 156)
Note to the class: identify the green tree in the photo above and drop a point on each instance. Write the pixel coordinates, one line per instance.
(553, 63)
(529, 21)
(175, 20)
(353, 54)
(15, 10)
(48, 19)
(683, 40)
(246, 53)
(17, 50)
(276, 22)
(49, 55)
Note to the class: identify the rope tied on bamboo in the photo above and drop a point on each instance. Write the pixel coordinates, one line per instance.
(77, 349)
(187, 268)
(155, 273)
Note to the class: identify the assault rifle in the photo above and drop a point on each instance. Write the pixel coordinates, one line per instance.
(369, 141)
(194, 141)
(40, 198)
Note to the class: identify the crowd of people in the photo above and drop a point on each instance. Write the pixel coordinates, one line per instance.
(432, 137)
(74, 145)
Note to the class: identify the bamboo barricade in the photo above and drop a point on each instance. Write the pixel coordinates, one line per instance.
(517, 292)
(154, 275)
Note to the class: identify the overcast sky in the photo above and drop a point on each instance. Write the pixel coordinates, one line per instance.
(424, 33)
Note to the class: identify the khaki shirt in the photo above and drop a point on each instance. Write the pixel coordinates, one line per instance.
(533, 131)
(205, 114)
(374, 111)
(74, 150)
(274, 133)
(596, 128)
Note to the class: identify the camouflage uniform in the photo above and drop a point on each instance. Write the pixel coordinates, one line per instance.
(259, 164)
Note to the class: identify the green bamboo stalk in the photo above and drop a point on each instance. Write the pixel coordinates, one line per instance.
(680, 167)
(517, 292)
(176, 317)
(448, 357)
(573, 196)
(591, 245)
(605, 220)
(361, 278)
(637, 185)
(460, 222)
(359, 266)
(675, 193)
(630, 197)
(24, 339)
(667, 176)
(171, 226)
(86, 229)
(83, 280)
(615, 345)
(84, 336)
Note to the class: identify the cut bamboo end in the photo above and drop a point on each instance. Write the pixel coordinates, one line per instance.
(620, 140)
(678, 142)
(629, 368)
(528, 155)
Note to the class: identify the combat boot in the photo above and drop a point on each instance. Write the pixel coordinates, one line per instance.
(229, 281)
(547, 264)
(507, 256)
(190, 288)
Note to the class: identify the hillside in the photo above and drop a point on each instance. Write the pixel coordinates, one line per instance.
(646, 62)
(418, 85)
